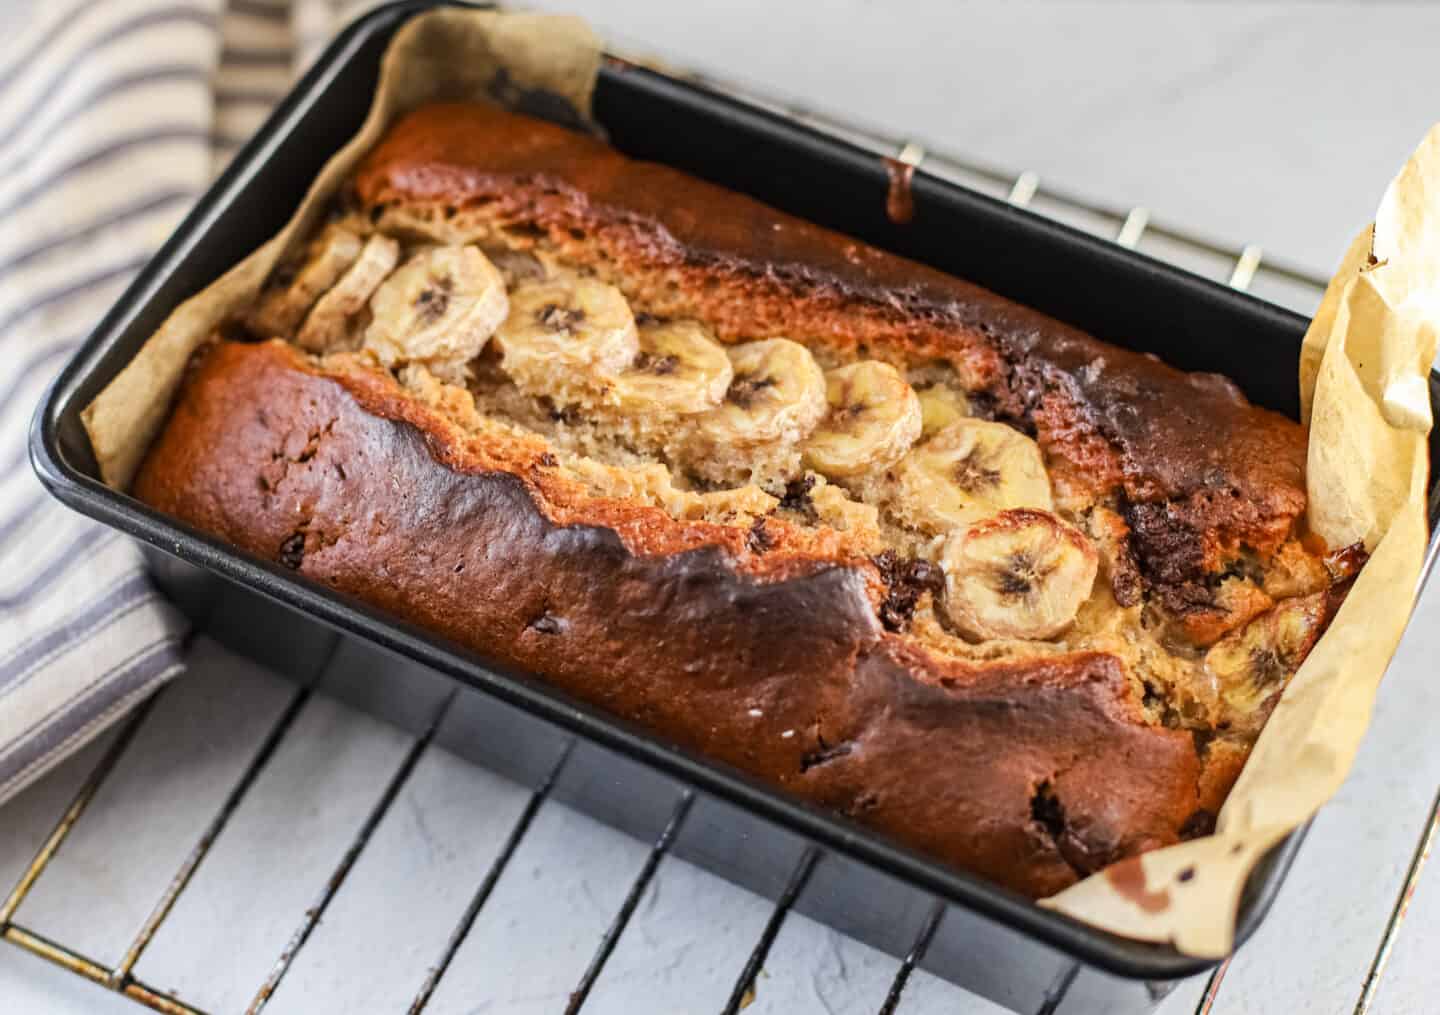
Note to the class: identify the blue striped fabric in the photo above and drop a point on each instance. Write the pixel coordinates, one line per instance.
(114, 115)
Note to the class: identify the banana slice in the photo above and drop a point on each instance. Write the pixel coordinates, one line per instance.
(564, 334)
(940, 405)
(775, 400)
(282, 309)
(679, 370)
(328, 325)
(439, 308)
(777, 393)
(1021, 574)
(968, 471)
(1254, 663)
(874, 418)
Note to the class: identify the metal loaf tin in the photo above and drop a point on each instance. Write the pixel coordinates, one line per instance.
(989, 940)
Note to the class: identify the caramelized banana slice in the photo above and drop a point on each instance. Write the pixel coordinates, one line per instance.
(439, 308)
(1021, 574)
(328, 325)
(680, 370)
(874, 418)
(777, 393)
(775, 399)
(1256, 662)
(968, 471)
(564, 334)
(940, 405)
(282, 309)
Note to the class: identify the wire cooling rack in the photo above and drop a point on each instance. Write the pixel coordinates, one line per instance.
(1245, 267)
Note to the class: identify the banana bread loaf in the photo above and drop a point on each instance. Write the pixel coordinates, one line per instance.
(1017, 598)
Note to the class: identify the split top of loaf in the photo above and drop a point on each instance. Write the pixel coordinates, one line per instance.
(1013, 488)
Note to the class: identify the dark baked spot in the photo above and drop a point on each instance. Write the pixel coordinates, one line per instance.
(235, 329)
(547, 623)
(1185, 874)
(565, 414)
(459, 568)
(284, 274)
(292, 551)
(1154, 701)
(825, 752)
(1345, 562)
(340, 471)
(643, 319)
(558, 318)
(1202, 822)
(758, 539)
(450, 211)
(746, 388)
(1047, 810)
(548, 460)
(797, 495)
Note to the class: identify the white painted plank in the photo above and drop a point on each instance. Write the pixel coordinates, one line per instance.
(927, 994)
(27, 819)
(535, 936)
(685, 946)
(33, 986)
(155, 803)
(390, 921)
(1411, 980)
(813, 968)
(1202, 112)
(283, 842)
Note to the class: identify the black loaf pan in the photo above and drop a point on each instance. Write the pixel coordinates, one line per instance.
(989, 940)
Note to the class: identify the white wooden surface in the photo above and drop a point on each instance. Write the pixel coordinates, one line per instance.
(1225, 118)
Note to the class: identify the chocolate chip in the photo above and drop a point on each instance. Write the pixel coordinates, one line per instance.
(759, 540)
(1202, 822)
(292, 551)
(1185, 875)
(906, 581)
(797, 495)
(548, 460)
(1047, 810)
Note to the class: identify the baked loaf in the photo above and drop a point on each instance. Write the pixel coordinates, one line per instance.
(1015, 597)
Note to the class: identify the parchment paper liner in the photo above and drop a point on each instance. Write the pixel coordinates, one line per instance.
(1363, 375)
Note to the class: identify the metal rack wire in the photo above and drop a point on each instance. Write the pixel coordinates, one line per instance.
(1126, 226)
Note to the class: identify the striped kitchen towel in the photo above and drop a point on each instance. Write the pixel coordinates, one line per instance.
(114, 115)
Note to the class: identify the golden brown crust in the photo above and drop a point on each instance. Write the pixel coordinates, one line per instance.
(1049, 767)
